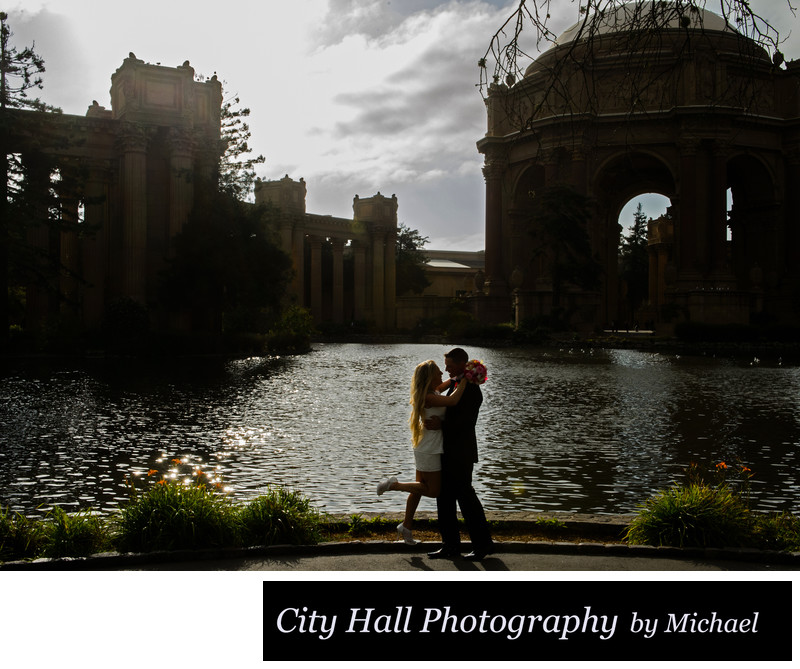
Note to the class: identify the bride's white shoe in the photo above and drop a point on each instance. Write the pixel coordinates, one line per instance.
(406, 535)
(384, 485)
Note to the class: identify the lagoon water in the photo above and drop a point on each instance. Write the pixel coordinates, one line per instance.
(593, 431)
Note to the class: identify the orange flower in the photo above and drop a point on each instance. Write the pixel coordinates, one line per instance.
(152, 471)
(162, 482)
(177, 461)
(722, 465)
(746, 469)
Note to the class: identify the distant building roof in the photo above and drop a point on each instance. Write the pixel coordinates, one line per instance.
(444, 263)
(455, 259)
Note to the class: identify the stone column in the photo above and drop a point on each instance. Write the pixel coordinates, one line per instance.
(40, 303)
(390, 279)
(285, 232)
(719, 215)
(791, 187)
(68, 247)
(316, 278)
(686, 228)
(133, 145)
(338, 280)
(298, 259)
(378, 288)
(181, 189)
(493, 171)
(95, 246)
(359, 281)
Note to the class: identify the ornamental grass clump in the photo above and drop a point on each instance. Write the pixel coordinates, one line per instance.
(173, 516)
(279, 517)
(20, 537)
(710, 510)
(778, 531)
(695, 515)
(73, 535)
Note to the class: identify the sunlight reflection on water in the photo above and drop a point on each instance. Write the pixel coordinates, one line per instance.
(572, 430)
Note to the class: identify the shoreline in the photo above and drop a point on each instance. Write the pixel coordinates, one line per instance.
(590, 524)
(784, 352)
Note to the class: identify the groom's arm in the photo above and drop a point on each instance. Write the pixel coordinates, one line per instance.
(433, 423)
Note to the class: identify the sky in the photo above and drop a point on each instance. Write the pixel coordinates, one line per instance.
(354, 96)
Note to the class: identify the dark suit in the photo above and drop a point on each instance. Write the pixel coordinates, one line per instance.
(460, 454)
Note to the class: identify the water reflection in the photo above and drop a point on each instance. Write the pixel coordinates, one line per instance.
(572, 430)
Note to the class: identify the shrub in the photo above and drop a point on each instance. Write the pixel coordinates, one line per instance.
(174, 516)
(292, 332)
(20, 537)
(78, 534)
(695, 515)
(779, 531)
(279, 517)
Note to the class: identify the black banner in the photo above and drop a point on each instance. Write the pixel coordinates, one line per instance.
(528, 620)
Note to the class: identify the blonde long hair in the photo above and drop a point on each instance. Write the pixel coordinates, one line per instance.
(420, 385)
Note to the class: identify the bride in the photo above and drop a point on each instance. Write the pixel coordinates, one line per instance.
(426, 401)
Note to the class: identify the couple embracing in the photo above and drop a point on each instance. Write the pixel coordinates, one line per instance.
(442, 421)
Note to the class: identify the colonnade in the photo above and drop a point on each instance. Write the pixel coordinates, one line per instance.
(136, 165)
(358, 280)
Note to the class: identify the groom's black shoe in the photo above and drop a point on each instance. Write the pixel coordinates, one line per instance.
(445, 553)
(479, 553)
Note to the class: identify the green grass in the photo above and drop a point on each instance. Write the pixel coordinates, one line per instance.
(693, 515)
(74, 535)
(167, 516)
(174, 516)
(20, 537)
(279, 517)
(705, 515)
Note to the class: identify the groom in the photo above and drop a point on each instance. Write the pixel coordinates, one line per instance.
(460, 454)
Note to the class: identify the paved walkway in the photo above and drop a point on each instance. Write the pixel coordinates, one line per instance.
(395, 556)
(387, 557)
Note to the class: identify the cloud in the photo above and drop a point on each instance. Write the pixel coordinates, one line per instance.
(412, 115)
(356, 96)
(54, 38)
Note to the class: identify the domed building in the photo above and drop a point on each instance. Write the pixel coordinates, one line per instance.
(650, 101)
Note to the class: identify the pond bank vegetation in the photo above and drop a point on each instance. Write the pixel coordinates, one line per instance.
(711, 510)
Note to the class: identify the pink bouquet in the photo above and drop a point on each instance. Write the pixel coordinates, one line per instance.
(475, 372)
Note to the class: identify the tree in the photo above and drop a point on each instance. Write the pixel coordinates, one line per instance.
(529, 27)
(410, 261)
(558, 227)
(226, 262)
(237, 168)
(20, 72)
(634, 262)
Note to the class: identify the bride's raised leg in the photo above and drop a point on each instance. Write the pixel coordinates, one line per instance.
(387, 484)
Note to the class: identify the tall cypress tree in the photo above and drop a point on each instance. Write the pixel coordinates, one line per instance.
(634, 260)
(20, 72)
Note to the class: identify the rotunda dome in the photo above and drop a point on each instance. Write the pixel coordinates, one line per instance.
(643, 16)
(661, 15)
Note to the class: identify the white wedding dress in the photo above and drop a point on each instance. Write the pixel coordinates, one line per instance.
(428, 452)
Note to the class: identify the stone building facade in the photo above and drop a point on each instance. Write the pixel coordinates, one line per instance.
(344, 269)
(716, 119)
(138, 161)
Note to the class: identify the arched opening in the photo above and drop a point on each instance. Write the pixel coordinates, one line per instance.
(624, 181)
(636, 308)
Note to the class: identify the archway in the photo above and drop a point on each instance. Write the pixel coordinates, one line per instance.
(620, 180)
(638, 309)
(692, 151)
